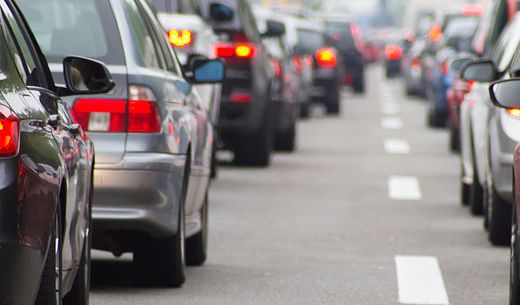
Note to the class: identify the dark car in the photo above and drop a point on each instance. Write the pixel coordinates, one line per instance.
(47, 166)
(287, 82)
(152, 132)
(327, 69)
(247, 111)
(346, 38)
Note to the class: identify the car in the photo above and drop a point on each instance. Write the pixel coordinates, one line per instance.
(327, 69)
(152, 132)
(456, 39)
(504, 94)
(392, 59)
(247, 110)
(497, 135)
(47, 165)
(471, 130)
(286, 81)
(191, 36)
(411, 68)
(347, 40)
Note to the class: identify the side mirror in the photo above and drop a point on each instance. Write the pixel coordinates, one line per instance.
(86, 76)
(505, 93)
(274, 29)
(207, 71)
(456, 64)
(483, 71)
(220, 12)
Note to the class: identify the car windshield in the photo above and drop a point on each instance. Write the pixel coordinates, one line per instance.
(85, 28)
(309, 41)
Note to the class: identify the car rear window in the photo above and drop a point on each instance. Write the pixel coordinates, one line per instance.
(462, 27)
(309, 41)
(73, 27)
(340, 33)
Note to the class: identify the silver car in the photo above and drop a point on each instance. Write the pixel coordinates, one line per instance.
(489, 137)
(152, 134)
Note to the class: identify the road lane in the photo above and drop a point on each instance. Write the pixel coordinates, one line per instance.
(318, 226)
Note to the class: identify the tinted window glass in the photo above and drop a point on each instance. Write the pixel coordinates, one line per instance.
(341, 35)
(64, 27)
(507, 45)
(11, 65)
(309, 41)
(144, 39)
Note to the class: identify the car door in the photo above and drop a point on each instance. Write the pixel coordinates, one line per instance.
(38, 84)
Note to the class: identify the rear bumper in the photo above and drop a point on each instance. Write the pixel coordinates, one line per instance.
(141, 193)
(325, 84)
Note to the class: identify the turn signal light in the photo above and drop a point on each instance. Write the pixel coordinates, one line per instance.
(514, 112)
(326, 58)
(180, 38)
(393, 52)
(9, 132)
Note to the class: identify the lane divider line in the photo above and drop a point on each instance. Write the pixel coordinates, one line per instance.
(396, 146)
(404, 188)
(419, 280)
(391, 123)
(389, 108)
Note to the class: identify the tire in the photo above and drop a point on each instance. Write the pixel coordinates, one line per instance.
(50, 285)
(464, 193)
(197, 246)
(476, 196)
(214, 161)
(333, 104)
(80, 292)
(256, 149)
(514, 274)
(359, 85)
(454, 140)
(435, 119)
(305, 110)
(161, 261)
(287, 141)
(499, 219)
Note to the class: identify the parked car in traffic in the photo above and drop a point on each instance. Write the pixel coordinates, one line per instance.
(328, 70)
(152, 132)
(247, 109)
(494, 136)
(47, 167)
(504, 94)
(191, 36)
(346, 38)
(286, 80)
(456, 39)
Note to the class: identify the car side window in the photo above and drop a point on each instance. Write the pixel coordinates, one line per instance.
(25, 58)
(146, 45)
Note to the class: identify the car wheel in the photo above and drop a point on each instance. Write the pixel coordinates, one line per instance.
(197, 245)
(161, 261)
(305, 110)
(454, 139)
(476, 196)
(256, 149)
(359, 85)
(214, 160)
(287, 140)
(79, 294)
(464, 193)
(499, 219)
(435, 119)
(333, 104)
(50, 285)
(514, 275)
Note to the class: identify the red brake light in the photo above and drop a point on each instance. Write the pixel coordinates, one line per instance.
(326, 58)
(435, 33)
(472, 10)
(241, 50)
(139, 114)
(9, 132)
(393, 52)
(416, 62)
(298, 64)
(181, 38)
(445, 69)
(277, 67)
(241, 98)
(101, 114)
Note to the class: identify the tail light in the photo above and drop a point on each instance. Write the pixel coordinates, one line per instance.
(514, 112)
(181, 38)
(469, 84)
(326, 58)
(277, 67)
(435, 33)
(241, 98)
(444, 68)
(9, 132)
(139, 114)
(239, 50)
(298, 64)
(393, 52)
(416, 62)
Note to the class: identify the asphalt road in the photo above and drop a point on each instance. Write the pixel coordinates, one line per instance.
(366, 212)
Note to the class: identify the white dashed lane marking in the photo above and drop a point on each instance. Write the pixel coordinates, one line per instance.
(396, 146)
(391, 123)
(404, 188)
(420, 281)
